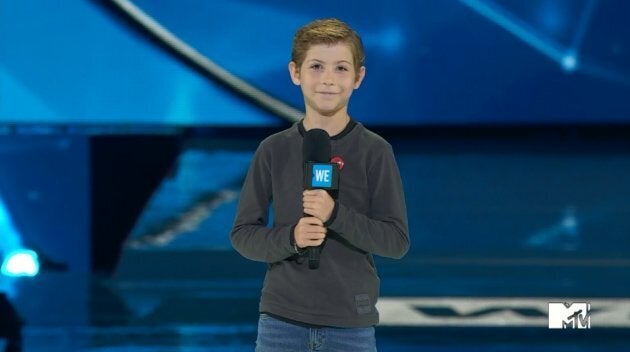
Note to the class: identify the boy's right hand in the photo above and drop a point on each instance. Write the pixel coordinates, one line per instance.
(309, 232)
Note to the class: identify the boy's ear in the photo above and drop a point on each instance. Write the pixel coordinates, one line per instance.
(360, 77)
(294, 71)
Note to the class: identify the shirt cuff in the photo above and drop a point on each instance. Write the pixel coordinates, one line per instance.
(294, 247)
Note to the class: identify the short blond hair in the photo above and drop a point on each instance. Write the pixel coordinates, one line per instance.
(327, 31)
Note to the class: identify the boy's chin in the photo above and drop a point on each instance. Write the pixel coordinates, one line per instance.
(327, 111)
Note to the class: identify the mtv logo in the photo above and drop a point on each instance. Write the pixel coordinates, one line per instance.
(573, 316)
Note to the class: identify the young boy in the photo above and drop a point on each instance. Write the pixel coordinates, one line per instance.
(331, 308)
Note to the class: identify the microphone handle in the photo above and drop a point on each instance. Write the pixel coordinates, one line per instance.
(313, 257)
(313, 253)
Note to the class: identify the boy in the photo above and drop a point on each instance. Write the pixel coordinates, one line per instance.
(331, 308)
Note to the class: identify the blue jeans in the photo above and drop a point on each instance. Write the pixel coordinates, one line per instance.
(278, 336)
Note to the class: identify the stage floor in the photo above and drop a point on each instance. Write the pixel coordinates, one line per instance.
(428, 303)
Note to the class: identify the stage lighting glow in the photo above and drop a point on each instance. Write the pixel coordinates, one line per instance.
(21, 263)
(569, 62)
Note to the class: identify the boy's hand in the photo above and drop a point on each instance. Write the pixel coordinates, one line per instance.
(318, 203)
(309, 232)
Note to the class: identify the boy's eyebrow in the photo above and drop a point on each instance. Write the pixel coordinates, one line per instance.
(338, 62)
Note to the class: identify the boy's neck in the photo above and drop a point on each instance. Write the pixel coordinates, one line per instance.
(333, 125)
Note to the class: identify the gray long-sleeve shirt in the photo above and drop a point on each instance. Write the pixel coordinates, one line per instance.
(369, 217)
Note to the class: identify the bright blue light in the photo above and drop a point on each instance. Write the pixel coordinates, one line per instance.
(22, 262)
(523, 31)
(569, 62)
(392, 39)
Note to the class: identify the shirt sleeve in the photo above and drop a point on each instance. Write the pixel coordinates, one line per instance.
(384, 231)
(250, 235)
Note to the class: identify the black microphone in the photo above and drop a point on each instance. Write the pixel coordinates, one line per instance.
(319, 173)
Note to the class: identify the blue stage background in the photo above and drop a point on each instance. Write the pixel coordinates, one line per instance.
(121, 164)
(428, 62)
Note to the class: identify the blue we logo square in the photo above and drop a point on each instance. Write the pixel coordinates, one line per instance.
(322, 176)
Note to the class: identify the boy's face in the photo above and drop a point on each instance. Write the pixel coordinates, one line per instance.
(327, 78)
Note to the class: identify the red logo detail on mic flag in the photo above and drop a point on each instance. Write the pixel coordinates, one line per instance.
(338, 160)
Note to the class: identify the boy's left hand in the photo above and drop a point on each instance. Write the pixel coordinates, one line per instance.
(318, 203)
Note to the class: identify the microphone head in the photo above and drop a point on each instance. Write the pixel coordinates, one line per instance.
(316, 146)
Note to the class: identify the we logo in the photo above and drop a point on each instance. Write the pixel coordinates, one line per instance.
(322, 176)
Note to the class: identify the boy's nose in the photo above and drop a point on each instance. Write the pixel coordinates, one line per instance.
(327, 78)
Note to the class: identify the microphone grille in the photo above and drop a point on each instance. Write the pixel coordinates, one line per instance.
(316, 146)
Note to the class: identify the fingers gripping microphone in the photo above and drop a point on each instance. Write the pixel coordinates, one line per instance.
(319, 173)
